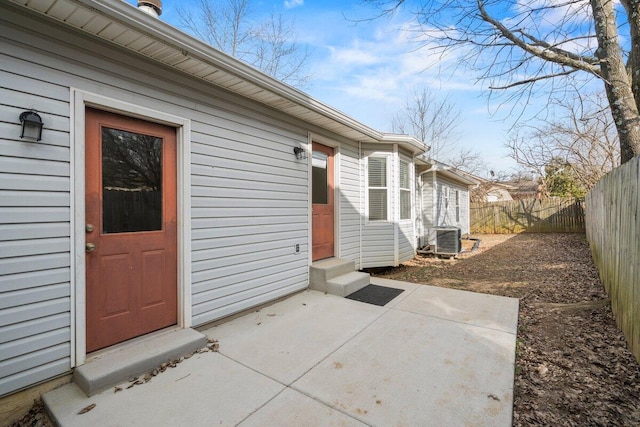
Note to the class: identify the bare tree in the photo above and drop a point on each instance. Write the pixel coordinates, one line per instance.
(582, 138)
(276, 55)
(435, 121)
(515, 44)
(430, 119)
(467, 160)
(230, 25)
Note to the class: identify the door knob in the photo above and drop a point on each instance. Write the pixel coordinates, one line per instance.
(89, 228)
(90, 247)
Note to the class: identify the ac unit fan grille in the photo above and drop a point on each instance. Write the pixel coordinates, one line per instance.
(448, 241)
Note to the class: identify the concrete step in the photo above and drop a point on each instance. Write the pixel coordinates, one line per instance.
(131, 359)
(348, 283)
(327, 269)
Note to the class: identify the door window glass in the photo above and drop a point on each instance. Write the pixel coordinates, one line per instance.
(320, 190)
(131, 181)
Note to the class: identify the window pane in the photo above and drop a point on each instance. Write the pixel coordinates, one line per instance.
(319, 188)
(377, 172)
(405, 204)
(404, 174)
(377, 205)
(131, 182)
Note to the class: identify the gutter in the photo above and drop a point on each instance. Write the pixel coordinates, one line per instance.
(122, 13)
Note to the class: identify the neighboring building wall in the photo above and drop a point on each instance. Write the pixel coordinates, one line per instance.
(498, 195)
(428, 204)
(446, 209)
(249, 194)
(436, 211)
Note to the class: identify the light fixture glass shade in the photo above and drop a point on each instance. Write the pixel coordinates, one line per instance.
(31, 126)
(300, 153)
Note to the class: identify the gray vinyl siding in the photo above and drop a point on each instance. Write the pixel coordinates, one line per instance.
(378, 237)
(418, 207)
(428, 218)
(378, 246)
(249, 196)
(35, 230)
(406, 241)
(349, 196)
(446, 215)
(249, 210)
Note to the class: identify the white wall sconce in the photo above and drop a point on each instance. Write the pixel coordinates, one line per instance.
(31, 126)
(300, 153)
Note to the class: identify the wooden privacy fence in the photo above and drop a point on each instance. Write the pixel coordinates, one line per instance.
(613, 217)
(551, 215)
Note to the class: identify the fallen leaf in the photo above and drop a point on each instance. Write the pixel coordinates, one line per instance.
(87, 409)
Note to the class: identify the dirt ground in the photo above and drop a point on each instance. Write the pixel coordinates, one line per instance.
(573, 366)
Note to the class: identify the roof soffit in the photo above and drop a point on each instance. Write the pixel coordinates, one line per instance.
(122, 24)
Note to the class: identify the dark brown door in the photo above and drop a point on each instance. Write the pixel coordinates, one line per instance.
(322, 194)
(131, 217)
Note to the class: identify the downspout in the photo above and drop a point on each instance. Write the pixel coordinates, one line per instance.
(361, 189)
(424, 237)
(421, 223)
(396, 205)
(434, 182)
(414, 202)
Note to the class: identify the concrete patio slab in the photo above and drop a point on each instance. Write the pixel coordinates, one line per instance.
(489, 311)
(415, 370)
(406, 286)
(293, 409)
(285, 340)
(207, 389)
(431, 357)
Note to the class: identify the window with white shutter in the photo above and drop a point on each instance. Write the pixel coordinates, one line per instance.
(377, 188)
(405, 191)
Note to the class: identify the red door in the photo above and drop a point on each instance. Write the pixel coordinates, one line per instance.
(131, 216)
(322, 195)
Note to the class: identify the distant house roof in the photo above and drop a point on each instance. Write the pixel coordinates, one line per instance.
(119, 23)
(524, 189)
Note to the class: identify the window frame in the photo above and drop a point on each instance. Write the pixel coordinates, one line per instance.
(406, 190)
(388, 158)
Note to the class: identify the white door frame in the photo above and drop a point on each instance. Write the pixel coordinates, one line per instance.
(79, 101)
(336, 192)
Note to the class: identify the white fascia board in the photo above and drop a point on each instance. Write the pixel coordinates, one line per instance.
(130, 17)
(414, 145)
(448, 171)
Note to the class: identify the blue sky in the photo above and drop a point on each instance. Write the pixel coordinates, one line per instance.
(369, 69)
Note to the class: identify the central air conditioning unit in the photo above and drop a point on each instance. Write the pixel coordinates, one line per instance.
(448, 241)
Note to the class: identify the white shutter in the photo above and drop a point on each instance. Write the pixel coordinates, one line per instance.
(405, 191)
(377, 188)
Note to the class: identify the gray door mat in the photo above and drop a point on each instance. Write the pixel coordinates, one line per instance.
(374, 294)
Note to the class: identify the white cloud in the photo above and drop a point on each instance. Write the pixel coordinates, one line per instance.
(290, 4)
(354, 55)
(369, 70)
